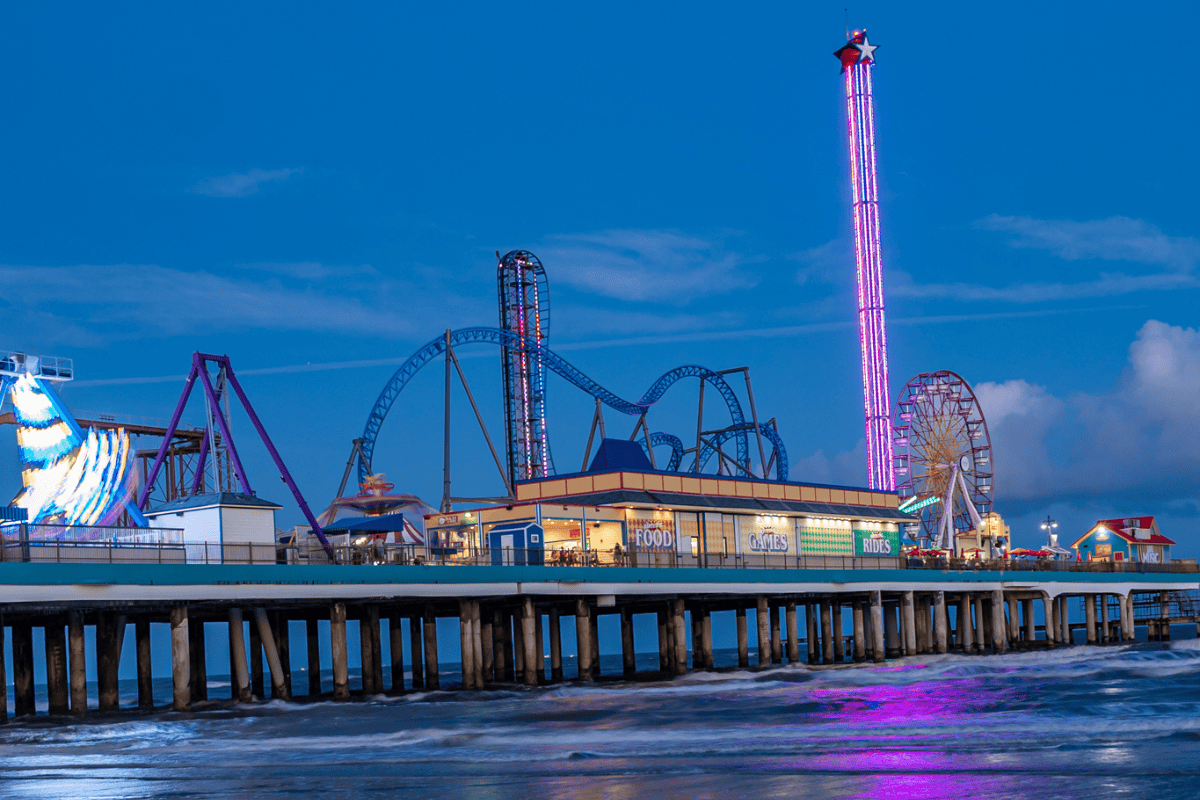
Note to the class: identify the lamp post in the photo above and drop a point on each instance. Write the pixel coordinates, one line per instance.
(1051, 537)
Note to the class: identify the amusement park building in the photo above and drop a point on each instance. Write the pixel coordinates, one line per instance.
(1131, 539)
(655, 518)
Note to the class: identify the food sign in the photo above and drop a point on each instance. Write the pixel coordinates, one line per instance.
(652, 534)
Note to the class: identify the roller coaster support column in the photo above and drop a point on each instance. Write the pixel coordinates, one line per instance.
(479, 417)
(446, 436)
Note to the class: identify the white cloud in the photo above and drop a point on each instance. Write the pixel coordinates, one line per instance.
(310, 270)
(1141, 436)
(1112, 239)
(86, 305)
(1107, 285)
(847, 468)
(242, 184)
(645, 265)
(832, 263)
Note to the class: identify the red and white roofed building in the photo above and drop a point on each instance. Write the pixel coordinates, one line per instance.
(1128, 539)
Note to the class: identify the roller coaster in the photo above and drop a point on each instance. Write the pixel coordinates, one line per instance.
(522, 339)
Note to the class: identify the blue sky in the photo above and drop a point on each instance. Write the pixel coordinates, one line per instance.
(310, 189)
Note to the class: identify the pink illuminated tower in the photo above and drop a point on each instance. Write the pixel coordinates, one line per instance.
(858, 60)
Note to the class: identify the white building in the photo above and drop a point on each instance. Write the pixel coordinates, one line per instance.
(221, 527)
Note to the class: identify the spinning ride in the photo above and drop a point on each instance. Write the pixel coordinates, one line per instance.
(943, 456)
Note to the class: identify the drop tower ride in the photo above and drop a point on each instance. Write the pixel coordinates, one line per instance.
(858, 60)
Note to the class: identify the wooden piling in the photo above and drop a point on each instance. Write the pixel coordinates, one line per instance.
(1051, 616)
(860, 633)
(556, 665)
(198, 666)
(477, 638)
(366, 656)
(743, 638)
(776, 639)
(628, 654)
(963, 626)
(271, 653)
(826, 631)
(681, 638)
(793, 633)
(396, 642)
(432, 679)
(539, 664)
(372, 618)
(878, 648)
(181, 678)
(415, 650)
(664, 642)
(583, 636)
(283, 643)
(839, 638)
(465, 645)
(4, 677)
(257, 684)
(108, 656)
(1089, 607)
(811, 636)
(909, 614)
(518, 648)
(706, 638)
(312, 661)
(57, 692)
(941, 624)
(1028, 619)
(761, 615)
(487, 660)
(145, 674)
(529, 625)
(595, 646)
(77, 657)
(240, 674)
(339, 654)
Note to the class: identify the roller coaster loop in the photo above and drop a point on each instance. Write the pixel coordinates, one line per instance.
(502, 338)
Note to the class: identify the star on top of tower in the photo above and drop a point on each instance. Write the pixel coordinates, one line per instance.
(866, 49)
(858, 50)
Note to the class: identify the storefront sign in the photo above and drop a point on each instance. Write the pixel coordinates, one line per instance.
(652, 534)
(767, 541)
(876, 543)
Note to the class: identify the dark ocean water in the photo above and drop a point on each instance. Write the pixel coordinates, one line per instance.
(1082, 722)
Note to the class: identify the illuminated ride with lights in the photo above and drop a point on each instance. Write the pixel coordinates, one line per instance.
(525, 360)
(70, 476)
(525, 313)
(943, 456)
(375, 498)
(857, 57)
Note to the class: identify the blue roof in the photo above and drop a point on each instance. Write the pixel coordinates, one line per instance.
(617, 454)
(211, 499)
(386, 523)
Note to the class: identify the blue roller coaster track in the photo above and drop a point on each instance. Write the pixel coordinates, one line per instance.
(484, 335)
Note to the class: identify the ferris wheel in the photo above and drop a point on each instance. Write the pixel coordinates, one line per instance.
(943, 456)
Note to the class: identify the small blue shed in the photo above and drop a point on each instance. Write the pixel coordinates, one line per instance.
(518, 543)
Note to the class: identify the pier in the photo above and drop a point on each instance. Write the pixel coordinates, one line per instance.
(830, 615)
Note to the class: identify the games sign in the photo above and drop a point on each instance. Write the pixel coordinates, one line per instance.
(768, 540)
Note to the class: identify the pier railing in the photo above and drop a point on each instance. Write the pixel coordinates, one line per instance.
(51, 544)
(380, 553)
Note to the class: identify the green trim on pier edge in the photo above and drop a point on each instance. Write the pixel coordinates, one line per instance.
(33, 574)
